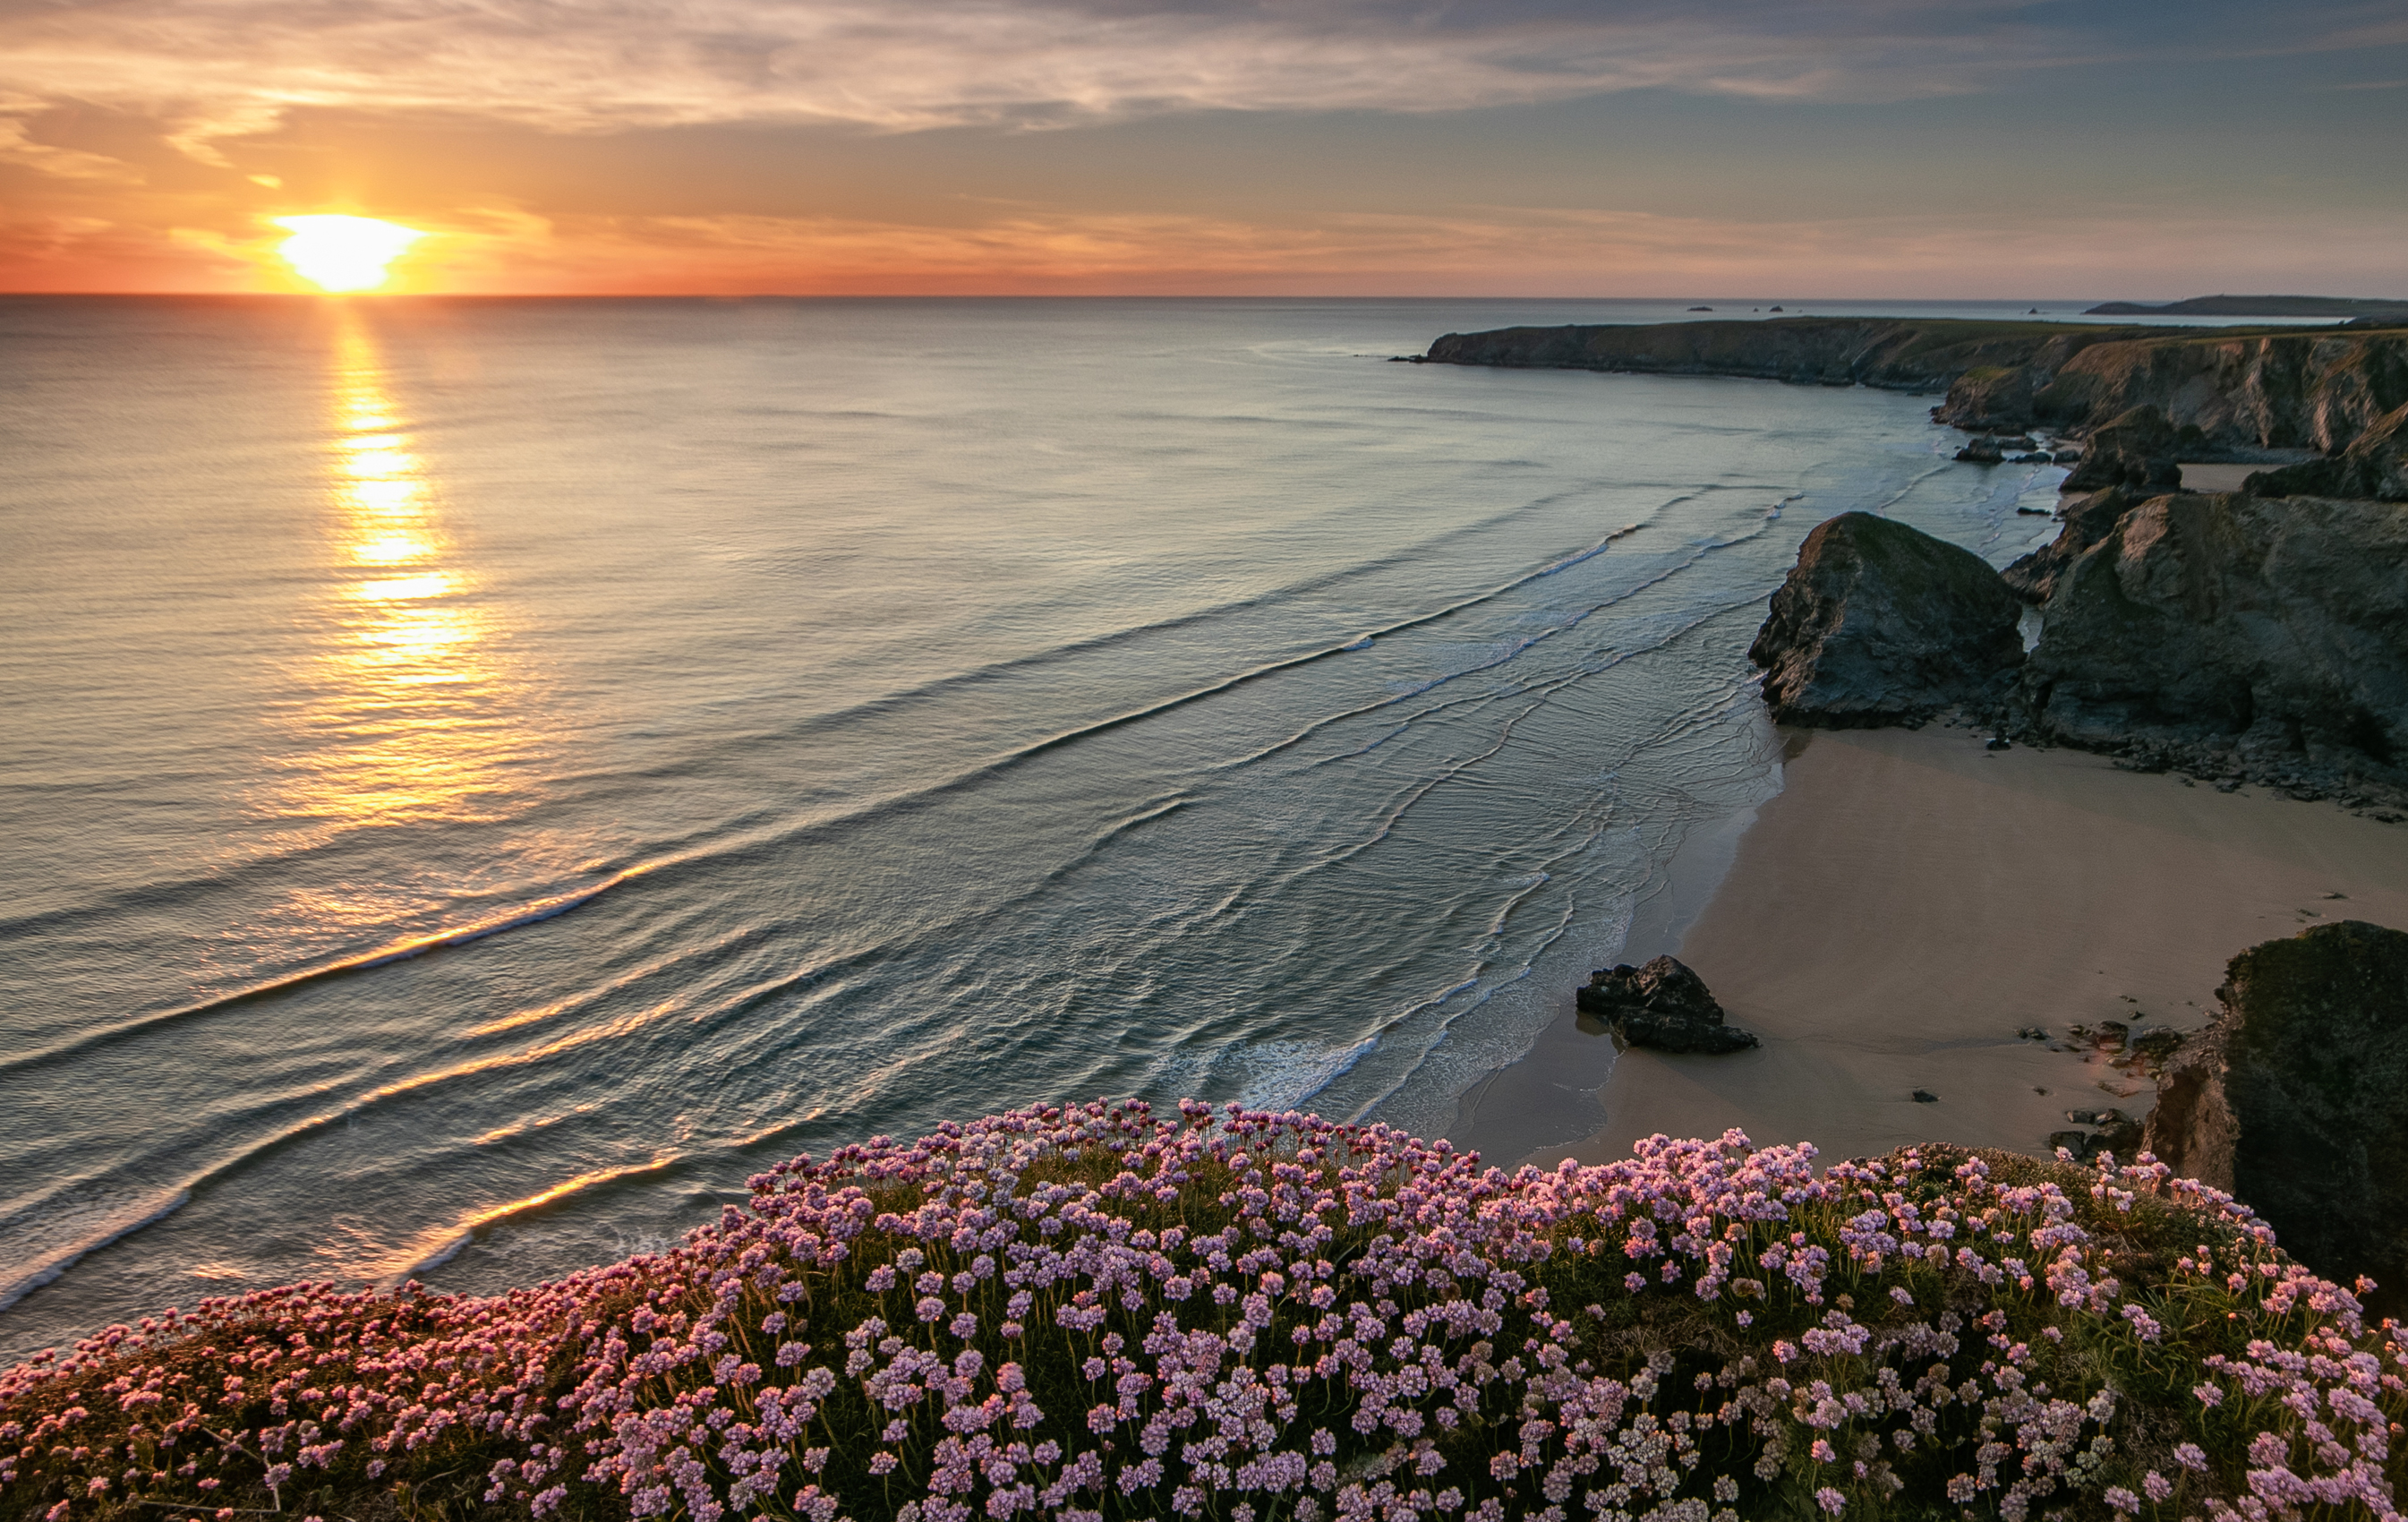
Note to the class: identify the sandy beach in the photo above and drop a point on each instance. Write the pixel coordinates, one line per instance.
(1905, 905)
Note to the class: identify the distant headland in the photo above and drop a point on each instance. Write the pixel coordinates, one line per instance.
(2340, 306)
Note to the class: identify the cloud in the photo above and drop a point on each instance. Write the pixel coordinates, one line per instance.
(222, 68)
(18, 146)
(1498, 250)
(1490, 251)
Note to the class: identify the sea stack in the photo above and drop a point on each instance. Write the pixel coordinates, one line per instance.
(1881, 624)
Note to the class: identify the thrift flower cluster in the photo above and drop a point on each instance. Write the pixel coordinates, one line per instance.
(1089, 1312)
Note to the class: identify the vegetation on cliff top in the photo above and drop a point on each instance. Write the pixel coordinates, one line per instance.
(1089, 1312)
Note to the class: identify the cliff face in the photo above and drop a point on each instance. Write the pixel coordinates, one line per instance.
(2375, 465)
(2317, 389)
(2273, 633)
(2297, 1099)
(1894, 353)
(2244, 390)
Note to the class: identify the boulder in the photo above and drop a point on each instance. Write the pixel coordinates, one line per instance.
(2296, 1098)
(2272, 634)
(2375, 465)
(2138, 449)
(1879, 622)
(1663, 1006)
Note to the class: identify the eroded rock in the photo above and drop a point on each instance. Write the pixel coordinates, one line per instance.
(1879, 622)
(2375, 466)
(2296, 1097)
(1663, 1006)
(2088, 517)
(2139, 449)
(2233, 633)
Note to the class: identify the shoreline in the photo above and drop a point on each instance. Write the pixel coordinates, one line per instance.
(1905, 905)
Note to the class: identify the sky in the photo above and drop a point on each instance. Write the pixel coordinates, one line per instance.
(1813, 149)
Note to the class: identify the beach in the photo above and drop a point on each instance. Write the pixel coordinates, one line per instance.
(1907, 904)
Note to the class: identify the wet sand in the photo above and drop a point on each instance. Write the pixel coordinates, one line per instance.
(1905, 905)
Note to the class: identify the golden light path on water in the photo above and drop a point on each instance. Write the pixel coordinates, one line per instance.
(418, 717)
(408, 682)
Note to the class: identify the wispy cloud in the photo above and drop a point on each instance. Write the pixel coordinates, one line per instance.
(17, 146)
(1494, 251)
(225, 68)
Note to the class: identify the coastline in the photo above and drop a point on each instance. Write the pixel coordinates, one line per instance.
(1908, 902)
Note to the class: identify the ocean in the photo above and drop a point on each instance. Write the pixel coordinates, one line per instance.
(483, 778)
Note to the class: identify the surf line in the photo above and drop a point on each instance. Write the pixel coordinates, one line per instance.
(399, 951)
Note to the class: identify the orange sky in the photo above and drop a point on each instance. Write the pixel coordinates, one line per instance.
(1520, 146)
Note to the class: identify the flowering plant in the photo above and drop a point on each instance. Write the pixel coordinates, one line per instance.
(1089, 1312)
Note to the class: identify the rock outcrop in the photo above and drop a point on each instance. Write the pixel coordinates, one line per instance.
(2141, 450)
(2296, 1099)
(2375, 466)
(2235, 636)
(2245, 392)
(2087, 518)
(1991, 399)
(1878, 623)
(1663, 1006)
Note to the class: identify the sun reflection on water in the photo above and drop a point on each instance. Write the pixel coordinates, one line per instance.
(412, 716)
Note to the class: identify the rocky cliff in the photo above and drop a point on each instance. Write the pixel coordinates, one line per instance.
(1894, 353)
(1879, 622)
(2245, 392)
(2375, 466)
(2237, 638)
(2250, 393)
(2234, 634)
(2296, 1099)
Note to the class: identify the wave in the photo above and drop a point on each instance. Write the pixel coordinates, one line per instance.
(542, 908)
(435, 1246)
(47, 1267)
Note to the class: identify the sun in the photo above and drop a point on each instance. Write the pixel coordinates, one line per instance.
(344, 254)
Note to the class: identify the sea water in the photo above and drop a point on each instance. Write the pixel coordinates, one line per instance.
(482, 778)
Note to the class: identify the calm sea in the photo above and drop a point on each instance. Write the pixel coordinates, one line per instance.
(480, 778)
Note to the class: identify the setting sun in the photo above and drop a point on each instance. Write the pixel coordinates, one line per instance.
(344, 254)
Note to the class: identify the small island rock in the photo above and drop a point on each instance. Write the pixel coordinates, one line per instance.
(1662, 1005)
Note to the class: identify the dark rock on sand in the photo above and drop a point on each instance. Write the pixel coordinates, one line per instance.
(1879, 622)
(2230, 635)
(1662, 1005)
(2296, 1098)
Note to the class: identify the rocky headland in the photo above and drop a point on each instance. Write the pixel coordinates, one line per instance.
(2254, 393)
(2258, 635)
(2346, 308)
